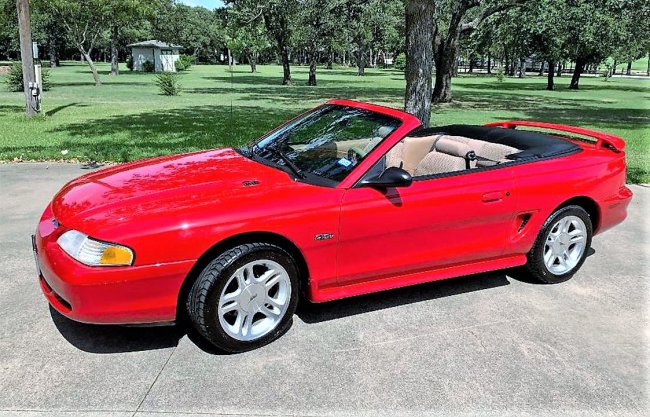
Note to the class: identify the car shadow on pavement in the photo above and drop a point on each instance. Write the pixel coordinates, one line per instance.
(96, 338)
(102, 339)
(316, 313)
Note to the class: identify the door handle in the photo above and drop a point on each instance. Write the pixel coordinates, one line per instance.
(493, 196)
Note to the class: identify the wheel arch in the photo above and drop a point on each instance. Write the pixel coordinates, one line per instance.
(231, 242)
(589, 205)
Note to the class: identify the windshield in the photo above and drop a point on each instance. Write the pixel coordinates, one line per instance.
(326, 143)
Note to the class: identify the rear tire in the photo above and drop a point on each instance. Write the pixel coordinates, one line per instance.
(561, 247)
(245, 298)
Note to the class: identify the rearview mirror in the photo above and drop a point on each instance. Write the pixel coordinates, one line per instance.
(390, 177)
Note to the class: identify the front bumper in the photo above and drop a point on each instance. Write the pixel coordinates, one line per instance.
(106, 295)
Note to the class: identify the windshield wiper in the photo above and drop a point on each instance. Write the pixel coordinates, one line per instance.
(287, 161)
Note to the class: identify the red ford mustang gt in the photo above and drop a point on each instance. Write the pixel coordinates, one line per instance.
(346, 199)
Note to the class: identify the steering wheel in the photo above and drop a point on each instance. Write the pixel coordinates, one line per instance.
(354, 154)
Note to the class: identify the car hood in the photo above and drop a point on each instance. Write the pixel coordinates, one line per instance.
(165, 185)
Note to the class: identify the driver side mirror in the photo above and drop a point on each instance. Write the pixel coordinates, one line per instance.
(390, 177)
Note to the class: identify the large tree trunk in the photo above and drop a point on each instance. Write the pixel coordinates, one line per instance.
(280, 31)
(419, 59)
(330, 58)
(361, 59)
(522, 68)
(560, 65)
(252, 60)
(628, 71)
(86, 55)
(313, 61)
(550, 83)
(445, 59)
(53, 50)
(115, 68)
(614, 67)
(27, 60)
(489, 63)
(575, 79)
(286, 66)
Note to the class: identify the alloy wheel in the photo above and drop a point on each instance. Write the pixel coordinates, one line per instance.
(565, 245)
(254, 300)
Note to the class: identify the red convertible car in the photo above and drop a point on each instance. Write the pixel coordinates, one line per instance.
(346, 199)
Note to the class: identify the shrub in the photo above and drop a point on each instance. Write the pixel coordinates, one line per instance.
(14, 78)
(129, 62)
(184, 62)
(148, 66)
(500, 74)
(169, 83)
(400, 61)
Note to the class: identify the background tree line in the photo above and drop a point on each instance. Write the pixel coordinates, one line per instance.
(428, 38)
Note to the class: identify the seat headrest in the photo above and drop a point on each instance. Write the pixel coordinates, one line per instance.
(452, 147)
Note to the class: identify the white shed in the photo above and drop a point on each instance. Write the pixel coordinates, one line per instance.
(163, 55)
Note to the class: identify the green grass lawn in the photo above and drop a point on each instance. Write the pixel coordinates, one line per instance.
(126, 118)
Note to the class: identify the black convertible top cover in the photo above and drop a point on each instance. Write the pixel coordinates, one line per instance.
(532, 144)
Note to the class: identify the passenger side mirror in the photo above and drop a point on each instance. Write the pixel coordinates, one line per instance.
(390, 177)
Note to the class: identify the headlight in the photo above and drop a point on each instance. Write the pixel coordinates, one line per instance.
(93, 252)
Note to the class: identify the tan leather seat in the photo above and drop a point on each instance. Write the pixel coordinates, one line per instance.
(493, 151)
(411, 153)
(448, 156)
(394, 156)
(415, 149)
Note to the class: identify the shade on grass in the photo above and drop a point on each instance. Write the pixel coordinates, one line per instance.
(127, 118)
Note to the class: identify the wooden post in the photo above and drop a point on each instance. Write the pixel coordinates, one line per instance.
(25, 32)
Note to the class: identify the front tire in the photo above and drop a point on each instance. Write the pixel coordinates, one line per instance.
(562, 245)
(245, 298)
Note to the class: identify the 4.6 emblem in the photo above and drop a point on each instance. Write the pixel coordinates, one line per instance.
(323, 236)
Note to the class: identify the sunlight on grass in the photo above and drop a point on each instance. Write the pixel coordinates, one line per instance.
(126, 118)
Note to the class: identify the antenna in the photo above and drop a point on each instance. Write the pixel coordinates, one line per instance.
(232, 89)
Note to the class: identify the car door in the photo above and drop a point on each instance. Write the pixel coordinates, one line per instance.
(433, 223)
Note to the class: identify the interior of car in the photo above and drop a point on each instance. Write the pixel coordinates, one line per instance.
(461, 147)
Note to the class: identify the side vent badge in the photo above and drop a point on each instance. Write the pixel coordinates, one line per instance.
(323, 236)
(250, 183)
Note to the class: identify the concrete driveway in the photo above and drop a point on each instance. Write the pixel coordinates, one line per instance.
(481, 345)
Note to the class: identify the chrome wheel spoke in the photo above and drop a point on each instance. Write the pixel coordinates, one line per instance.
(247, 325)
(565, 225)
(270, 312)
(241, 283)
(275, 303)
(230, 297)
(229, 306)
(549, 259)
(272, 280)
(249, 275)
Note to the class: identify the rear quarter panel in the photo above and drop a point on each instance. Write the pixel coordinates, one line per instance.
(543, 186)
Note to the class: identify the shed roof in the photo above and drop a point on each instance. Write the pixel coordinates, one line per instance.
(154, 43)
